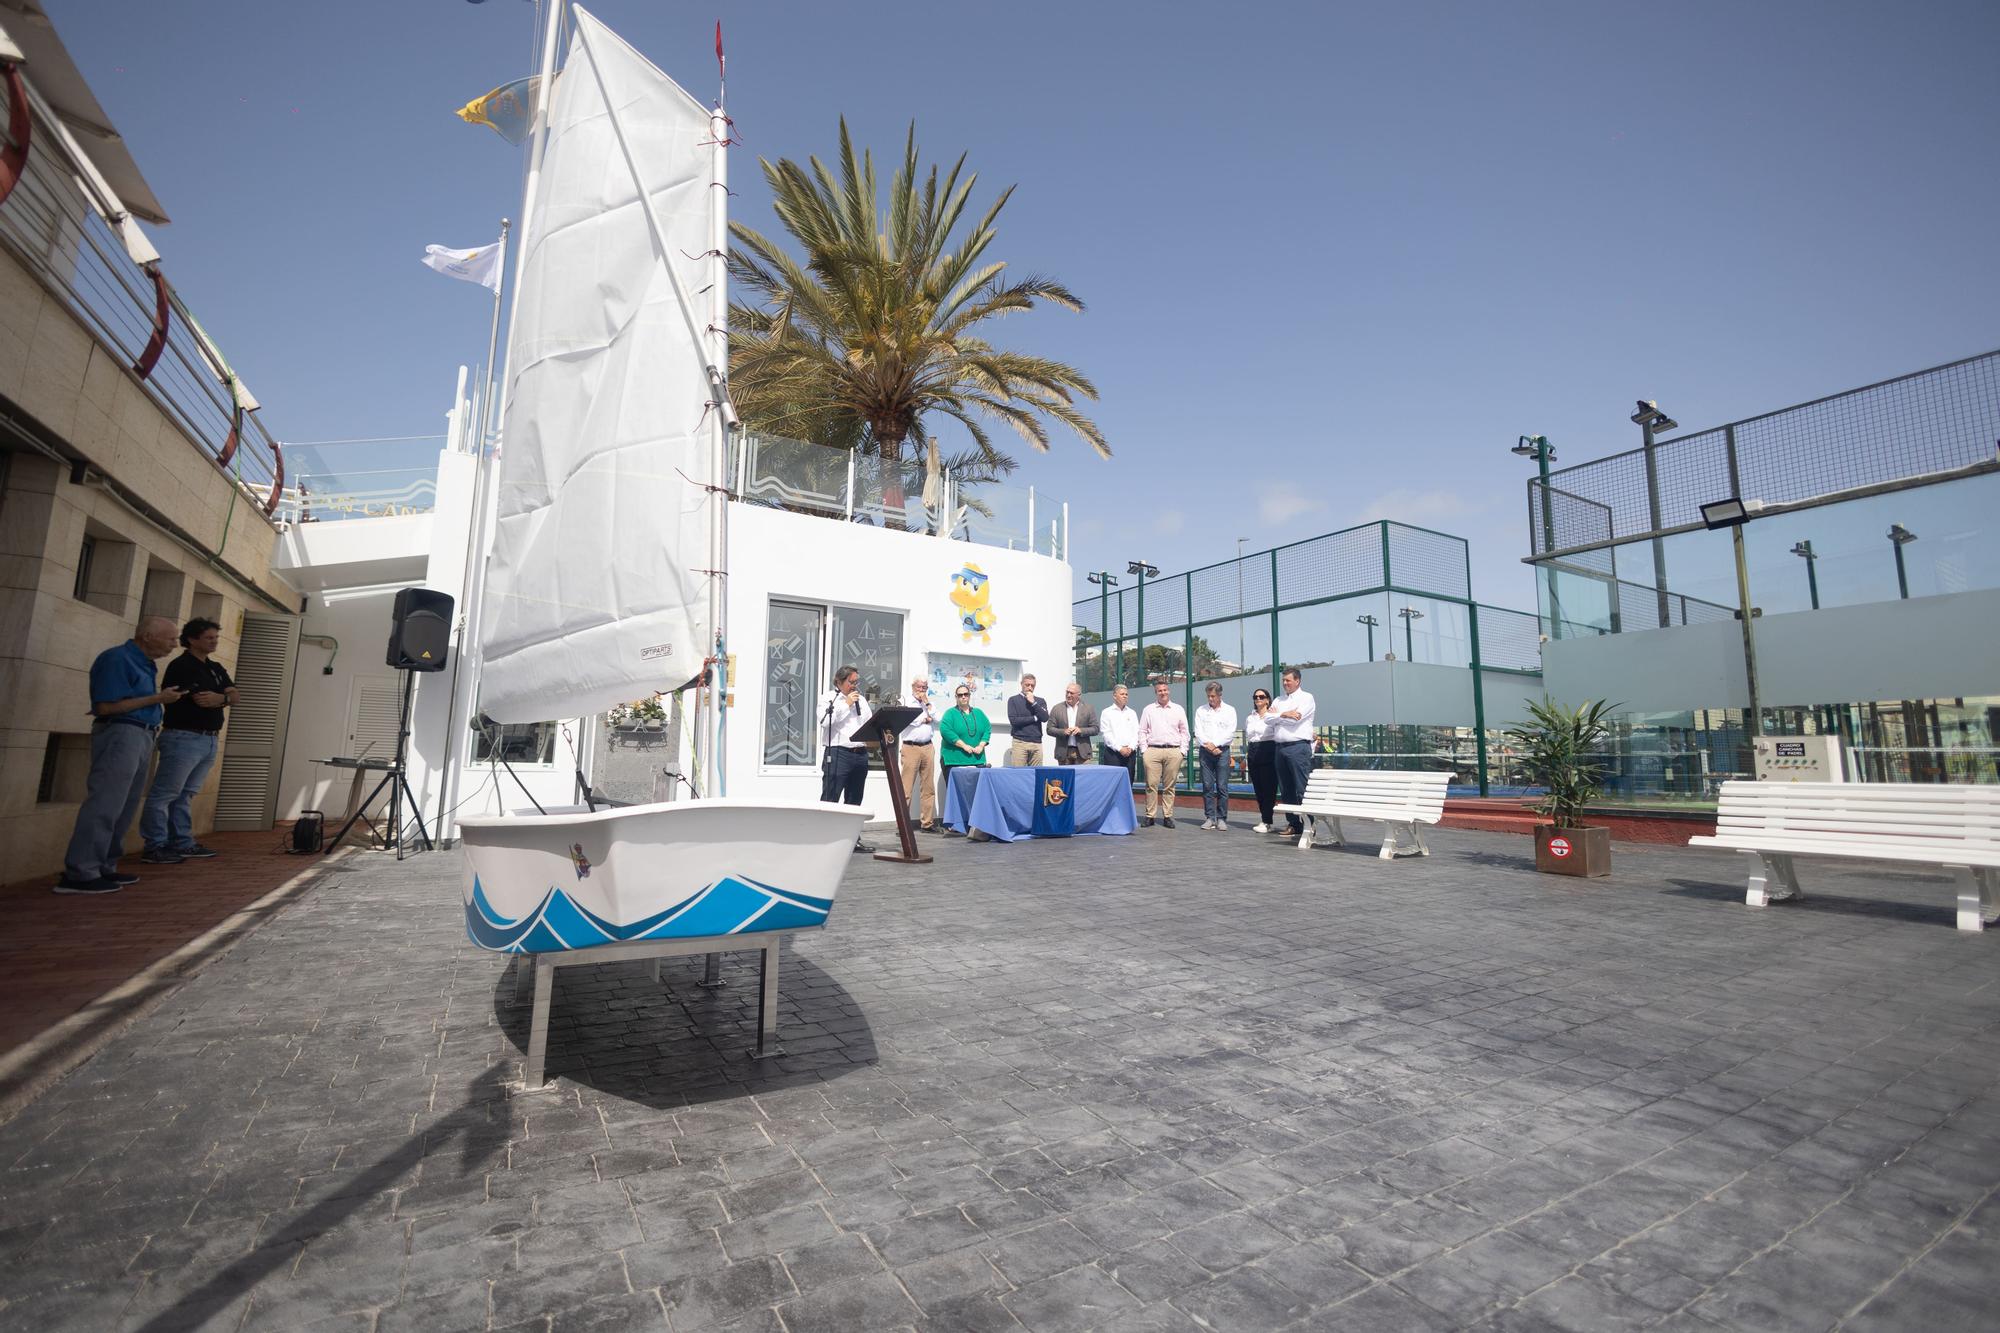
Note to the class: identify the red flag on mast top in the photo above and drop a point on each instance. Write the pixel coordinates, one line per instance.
(721, 66)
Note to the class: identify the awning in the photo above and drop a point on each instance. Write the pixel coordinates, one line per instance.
(54, 75)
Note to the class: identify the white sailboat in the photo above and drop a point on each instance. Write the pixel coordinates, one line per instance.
(603, 583)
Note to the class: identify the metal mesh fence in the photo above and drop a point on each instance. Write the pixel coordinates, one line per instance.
(1330, 566)
(1917, 425)
(1427, 561)
(1510, 639)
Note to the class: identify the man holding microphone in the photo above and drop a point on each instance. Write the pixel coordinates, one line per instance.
(844, 760)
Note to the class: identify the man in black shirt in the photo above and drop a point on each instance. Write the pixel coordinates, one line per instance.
(187, 746)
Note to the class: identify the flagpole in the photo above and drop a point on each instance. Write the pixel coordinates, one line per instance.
(470, 573)
(475, 586)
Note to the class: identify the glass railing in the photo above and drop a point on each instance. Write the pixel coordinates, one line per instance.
(1918, 542)
(906, 496)
(323, 497)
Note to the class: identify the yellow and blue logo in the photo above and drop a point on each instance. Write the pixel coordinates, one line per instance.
(972, 594)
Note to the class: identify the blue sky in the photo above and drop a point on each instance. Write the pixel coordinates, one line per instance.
(1337, 257)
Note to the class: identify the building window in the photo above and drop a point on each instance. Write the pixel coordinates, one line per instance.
(83, 561)
(515, 742)
(65, 769)
(804, 645)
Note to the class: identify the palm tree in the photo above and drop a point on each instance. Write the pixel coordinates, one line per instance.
(875, 330)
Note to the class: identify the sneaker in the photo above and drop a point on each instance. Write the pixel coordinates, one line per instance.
(1260, 828)
(122, 877)
(194, 851)
(102, 884)
(1222, 826)
(1147, 822)
(1168, 822)
(863, 848)
(162, 856)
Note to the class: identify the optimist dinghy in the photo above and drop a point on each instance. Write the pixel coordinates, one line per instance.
(603, 582)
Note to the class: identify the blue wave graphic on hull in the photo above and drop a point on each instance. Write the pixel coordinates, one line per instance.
(558, 924)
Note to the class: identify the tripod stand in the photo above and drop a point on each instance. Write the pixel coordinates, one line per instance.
(398, 785)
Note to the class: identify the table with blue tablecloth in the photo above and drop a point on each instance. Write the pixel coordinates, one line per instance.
(1001, 802)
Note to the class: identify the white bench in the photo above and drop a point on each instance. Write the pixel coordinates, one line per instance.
(1400, 800)
(1955, 827)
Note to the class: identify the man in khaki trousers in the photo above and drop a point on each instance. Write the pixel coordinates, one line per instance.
(1163, 739)
(918, 750)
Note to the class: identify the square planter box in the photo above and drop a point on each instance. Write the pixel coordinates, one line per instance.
(1573, 851)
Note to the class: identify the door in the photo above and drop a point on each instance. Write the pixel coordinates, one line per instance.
(253, 751)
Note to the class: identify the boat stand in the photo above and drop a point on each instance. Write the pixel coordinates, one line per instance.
(542, 967)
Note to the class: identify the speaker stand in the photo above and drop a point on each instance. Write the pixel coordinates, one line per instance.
(398, 785)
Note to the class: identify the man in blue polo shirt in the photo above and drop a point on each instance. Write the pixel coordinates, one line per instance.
(127, 703)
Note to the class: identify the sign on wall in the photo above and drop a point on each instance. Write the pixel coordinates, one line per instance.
(972, 594)
(992, 679)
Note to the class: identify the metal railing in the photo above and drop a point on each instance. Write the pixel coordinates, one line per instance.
(803, 478)
(50, 225)
(1930, 423)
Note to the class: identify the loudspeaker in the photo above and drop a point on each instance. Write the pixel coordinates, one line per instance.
(421, 635)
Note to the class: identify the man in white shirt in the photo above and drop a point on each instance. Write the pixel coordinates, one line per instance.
(1214, 732)
(1292, 730)
(844, 761)
(1118, 731)
(1163, 739)
(919, 754)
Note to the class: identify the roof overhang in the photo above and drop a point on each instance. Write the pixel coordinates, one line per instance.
(48, 68)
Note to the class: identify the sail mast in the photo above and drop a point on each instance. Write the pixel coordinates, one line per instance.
(716, 781)
(466, 699)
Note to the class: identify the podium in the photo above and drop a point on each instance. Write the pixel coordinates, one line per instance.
(882, 728)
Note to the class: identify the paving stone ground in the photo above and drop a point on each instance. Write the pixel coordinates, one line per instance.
(1177, 1081)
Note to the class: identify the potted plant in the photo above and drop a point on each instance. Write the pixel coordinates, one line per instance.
(1559, 752)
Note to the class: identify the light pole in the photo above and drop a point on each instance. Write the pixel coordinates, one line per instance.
(1371, 622)
(1538, 448)
(1241, 665)
(1733, 514)
(1899, 537)
(1105, 581)
(1410, 616)
(1650, 420)
(1142, 569)
(1804, 551)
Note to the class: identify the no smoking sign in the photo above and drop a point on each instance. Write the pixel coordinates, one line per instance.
(1559, 847)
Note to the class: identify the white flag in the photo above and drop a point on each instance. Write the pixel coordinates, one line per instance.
(481, 265)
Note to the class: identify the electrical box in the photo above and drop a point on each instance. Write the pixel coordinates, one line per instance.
(1798, 759)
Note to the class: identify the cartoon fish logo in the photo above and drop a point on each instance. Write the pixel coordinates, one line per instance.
(582, 862)
(973, 596)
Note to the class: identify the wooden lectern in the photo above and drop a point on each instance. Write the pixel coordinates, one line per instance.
(882, 729)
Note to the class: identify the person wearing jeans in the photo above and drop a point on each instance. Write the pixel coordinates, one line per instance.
(188, 745)
(1292, 729)
(126, 702)
(1214, 733)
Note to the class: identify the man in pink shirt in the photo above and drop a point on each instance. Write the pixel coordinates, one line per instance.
(1163, 739)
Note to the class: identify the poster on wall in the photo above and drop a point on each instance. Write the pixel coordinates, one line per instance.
(992, 679)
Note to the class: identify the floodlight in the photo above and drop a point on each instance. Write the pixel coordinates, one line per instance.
(1650, 416)
(1900, 534)
(1106, 580)
(1804, 551)
(1725, 513)
(1143, 569)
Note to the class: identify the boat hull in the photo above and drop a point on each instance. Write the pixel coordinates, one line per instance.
(571, 879)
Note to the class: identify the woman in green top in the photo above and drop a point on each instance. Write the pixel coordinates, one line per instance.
(965, 733)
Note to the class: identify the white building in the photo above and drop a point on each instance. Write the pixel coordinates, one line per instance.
(835, 576)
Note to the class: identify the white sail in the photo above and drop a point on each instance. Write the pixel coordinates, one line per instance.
(596, 591)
